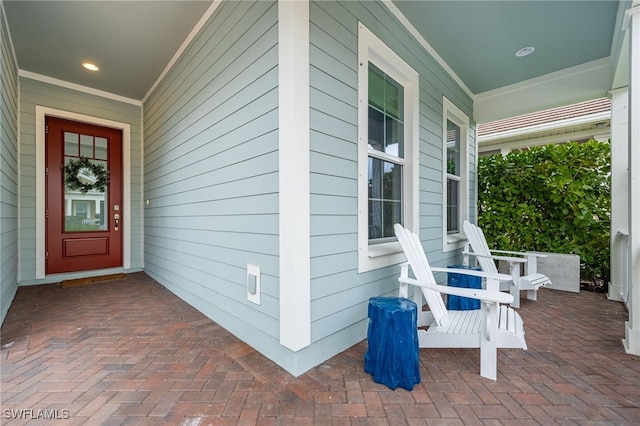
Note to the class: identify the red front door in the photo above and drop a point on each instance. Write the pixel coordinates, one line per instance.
(84, 214)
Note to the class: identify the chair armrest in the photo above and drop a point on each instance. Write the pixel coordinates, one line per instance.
(501, 277)
(505, 258)
(483, 295)
(492, 280)
(520, 253)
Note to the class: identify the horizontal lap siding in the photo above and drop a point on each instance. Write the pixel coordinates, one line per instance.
(8, 171)
(33, 93)
(211, 171)
(335, 290)
(339, 294)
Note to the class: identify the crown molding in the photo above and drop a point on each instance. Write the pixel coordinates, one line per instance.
(426, 46)
(77, 87)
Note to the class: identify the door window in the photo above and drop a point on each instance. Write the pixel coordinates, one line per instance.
(86, 178)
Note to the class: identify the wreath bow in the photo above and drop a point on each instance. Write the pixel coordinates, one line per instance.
(83, 175)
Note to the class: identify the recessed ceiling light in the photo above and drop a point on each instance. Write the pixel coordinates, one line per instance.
(90, 66)
(525, 51)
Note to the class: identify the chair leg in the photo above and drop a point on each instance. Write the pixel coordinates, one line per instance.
(532, 294)
(488, 338)
(515, 292)
(489, 360)
(515, 288)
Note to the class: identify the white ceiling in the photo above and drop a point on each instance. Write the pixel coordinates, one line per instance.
(133, 41)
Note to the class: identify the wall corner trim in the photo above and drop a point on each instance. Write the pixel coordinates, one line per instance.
(294, 181)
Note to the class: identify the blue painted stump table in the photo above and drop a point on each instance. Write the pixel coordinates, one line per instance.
(392, 357)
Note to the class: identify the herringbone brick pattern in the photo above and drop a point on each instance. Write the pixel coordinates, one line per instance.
(131, 353)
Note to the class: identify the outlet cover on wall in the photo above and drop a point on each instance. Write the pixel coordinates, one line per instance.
(253, 283)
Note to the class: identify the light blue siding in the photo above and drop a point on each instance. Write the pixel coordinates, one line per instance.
(339, 294)
(8, 171)
(211, 173)
(37, 93)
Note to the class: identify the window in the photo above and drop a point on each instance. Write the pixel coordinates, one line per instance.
(81, 209)
(456, 194)
(453, 178)
(387, 151)
(385, 155)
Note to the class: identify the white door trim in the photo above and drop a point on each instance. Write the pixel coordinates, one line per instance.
(41, 114)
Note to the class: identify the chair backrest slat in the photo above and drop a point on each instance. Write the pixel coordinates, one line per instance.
(412, 247)
(479, 246)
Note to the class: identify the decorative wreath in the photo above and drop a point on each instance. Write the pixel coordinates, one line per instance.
(83, 175)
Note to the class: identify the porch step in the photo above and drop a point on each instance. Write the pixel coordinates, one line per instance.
(92, 280)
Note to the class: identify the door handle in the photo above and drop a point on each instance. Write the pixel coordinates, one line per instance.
(116, 217)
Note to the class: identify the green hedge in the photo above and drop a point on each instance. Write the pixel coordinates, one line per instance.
(555, 198)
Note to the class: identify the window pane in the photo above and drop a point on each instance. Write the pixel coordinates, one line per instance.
(101, 148)
(71, 144)
(375, 178)
(453, 148)
(392, 182)
(394, 98)
(385, 197)
(376, 87)
(392, 214)
(453, 204)
(86, 146)
(394, 137)
(376, 129)
(375, 219)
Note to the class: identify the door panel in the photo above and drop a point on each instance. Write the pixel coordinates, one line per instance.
(83, 196)
(85, 246)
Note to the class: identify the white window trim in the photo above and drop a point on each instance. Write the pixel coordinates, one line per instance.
(452, 113)
(372, 49)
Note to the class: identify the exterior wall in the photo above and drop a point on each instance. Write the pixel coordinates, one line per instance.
(339, 295)
(8, 170)
(211, 173)
(37, 93)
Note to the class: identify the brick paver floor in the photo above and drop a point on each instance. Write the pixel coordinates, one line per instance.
(129, 352)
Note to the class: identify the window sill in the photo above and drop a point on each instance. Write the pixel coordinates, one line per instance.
(456, 238)
(380, 256)
(454, 242)
(386, 249)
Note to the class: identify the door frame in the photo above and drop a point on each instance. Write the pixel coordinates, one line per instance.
(41, 113)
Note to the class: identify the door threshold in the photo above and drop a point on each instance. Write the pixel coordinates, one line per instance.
(92, 280)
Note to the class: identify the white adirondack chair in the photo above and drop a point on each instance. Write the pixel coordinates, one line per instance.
(491, 327)
(531, 281)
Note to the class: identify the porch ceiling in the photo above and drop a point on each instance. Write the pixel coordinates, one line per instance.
(479, 39)
(133, 41)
